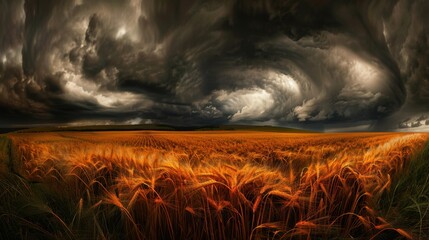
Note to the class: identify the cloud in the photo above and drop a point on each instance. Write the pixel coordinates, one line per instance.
(205, 62)
(407, 38)
(249, 104)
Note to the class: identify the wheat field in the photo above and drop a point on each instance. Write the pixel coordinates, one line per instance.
(202, 185)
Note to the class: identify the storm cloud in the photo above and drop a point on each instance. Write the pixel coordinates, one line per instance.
(211, 62)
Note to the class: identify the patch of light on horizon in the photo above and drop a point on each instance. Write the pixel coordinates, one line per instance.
(90, 122)
(134, 121)
(423, 128)
(358, 128)
(138, 120)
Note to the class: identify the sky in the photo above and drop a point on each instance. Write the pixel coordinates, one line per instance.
(331, 65)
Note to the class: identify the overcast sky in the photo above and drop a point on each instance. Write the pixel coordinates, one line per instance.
(324, 64)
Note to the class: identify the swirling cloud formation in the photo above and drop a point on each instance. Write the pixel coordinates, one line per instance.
(210, 62)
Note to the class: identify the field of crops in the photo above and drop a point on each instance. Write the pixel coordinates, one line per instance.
(202, 185)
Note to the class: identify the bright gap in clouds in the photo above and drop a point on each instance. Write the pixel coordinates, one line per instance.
(121, 32)
(84, 91)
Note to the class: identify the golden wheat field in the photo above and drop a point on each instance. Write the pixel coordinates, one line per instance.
(203, 185)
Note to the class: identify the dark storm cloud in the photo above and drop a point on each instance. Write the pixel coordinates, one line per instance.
(204, 62)
(407, 37)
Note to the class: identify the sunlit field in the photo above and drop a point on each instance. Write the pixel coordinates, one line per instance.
(208, 185)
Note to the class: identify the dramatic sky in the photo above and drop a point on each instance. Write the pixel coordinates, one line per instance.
(324, 64)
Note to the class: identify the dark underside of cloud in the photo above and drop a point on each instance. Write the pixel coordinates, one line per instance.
(301, 63)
